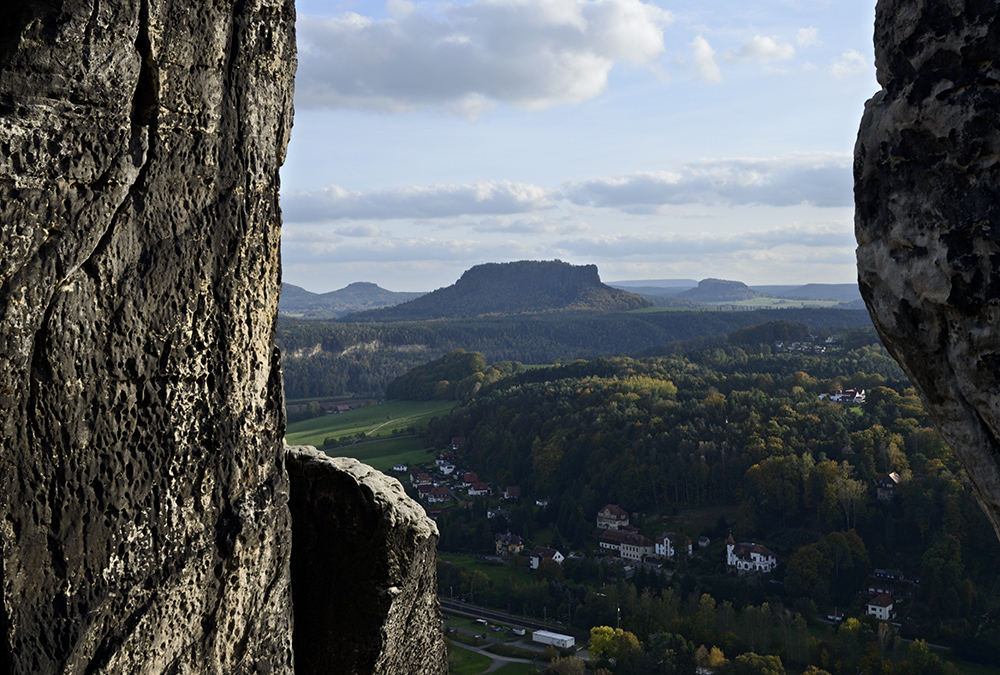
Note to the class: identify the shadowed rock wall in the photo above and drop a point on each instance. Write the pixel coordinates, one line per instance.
(145, 526)
(927, 220)
(364, 571)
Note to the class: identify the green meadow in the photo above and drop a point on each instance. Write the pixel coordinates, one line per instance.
(381, 433)
(372, 422)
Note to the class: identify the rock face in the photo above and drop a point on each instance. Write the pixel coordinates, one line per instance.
(927, 192)
(354, 523)
(146, 526)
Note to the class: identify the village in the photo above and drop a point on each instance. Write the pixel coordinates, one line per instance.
(620, 543)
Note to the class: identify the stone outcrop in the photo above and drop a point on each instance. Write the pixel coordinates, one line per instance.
(927, 193)
(146, 525)
(354, 523)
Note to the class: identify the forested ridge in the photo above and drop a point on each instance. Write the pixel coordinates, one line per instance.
(338, 359)
(742, 427)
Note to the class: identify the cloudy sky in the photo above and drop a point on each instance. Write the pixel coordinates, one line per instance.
(654, 138)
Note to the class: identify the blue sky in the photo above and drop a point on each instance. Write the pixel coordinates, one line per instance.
(654, 139)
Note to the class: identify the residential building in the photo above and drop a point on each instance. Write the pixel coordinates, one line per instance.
(847, 396)
(749, 557)
(881, 607)
(478, 489)
(630, 545)
(612, 517)
(540, 553)
(468, 478)
(891, 575)
(439, 495)
(512, 492)
(668, 543)
(509, 544)
(885, 486)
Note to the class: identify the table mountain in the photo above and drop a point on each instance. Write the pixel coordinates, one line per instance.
(523, 287)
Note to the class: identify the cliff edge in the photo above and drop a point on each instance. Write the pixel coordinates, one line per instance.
(927, 219)
(143, 476)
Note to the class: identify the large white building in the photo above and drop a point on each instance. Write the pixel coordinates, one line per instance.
(749, 557)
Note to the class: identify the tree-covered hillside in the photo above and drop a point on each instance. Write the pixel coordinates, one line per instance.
(745, 428)
(330, 358)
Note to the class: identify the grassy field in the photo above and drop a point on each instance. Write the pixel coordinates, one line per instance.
(374, 421)
(466, 662)
(495, 573)
(384, 454)
(517, 669)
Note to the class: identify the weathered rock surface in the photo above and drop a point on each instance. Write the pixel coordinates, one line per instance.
(927, 192)
(145, 522)
(363, 569)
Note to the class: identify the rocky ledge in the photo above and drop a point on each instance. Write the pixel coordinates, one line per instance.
(353, 523)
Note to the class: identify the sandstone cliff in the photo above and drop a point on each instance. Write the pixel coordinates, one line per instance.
(927, 192)
(144, 490)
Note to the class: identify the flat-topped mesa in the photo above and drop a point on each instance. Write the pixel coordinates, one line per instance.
(927, 220)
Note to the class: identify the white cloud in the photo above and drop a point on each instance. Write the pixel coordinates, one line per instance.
(823, 180)
(819, 179)
(851, 62)
(704, 60)
(532, 225)
(807, 37)
(314, 247)
(467, 58)
(367, 230)
(680, 246)
(762, 49)
(436, 201)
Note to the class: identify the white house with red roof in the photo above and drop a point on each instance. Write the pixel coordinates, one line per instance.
(881, 607)
(439, 495)
(478, 489)
(749, 557)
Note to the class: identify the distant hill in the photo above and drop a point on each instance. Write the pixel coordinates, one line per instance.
(673, 285)
(654, 291)
(720, 290)
(299, 302)
(840, 292)
(502, 289)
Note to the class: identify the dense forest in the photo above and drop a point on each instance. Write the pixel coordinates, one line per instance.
(337, 359)
(737, 424)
